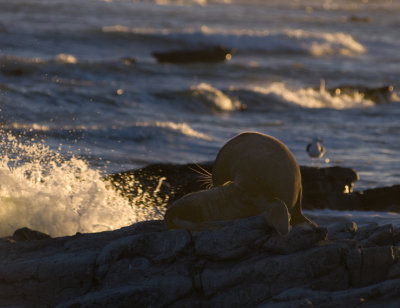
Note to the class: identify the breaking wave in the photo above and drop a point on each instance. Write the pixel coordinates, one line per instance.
(42, 190)
(311, 98)
(182, 128)
(214, 98)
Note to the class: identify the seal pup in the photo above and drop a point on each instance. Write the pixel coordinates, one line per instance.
(253, 174)
(315, 149)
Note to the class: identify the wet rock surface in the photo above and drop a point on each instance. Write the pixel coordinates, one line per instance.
(243, 264)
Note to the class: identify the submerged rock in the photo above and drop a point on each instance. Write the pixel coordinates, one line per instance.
(243, 264)
(210, 54)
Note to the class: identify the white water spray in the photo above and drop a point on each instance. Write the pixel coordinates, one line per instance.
(42, 190)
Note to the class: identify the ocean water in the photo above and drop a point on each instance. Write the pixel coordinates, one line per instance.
(82, 96)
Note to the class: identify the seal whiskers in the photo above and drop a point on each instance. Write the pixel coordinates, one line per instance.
(205, 176)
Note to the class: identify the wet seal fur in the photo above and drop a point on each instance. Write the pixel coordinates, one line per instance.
(253, 174)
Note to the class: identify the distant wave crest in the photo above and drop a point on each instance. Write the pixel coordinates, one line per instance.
(279, 95)
(182, 128)
(287, 40)
(214, 97)
(65, 58)
(312, 98)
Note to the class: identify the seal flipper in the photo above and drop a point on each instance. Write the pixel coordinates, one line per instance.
(297, 216)
(275, 212)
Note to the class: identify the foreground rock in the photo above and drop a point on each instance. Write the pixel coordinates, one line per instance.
(244, 264)
(330, 187)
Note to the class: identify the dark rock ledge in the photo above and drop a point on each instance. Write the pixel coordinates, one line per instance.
(330, 187)
(244, 264)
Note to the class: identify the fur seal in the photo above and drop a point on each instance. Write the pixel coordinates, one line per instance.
(253, 174)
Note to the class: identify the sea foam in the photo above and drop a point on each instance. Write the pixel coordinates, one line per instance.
(215, 98)
(42, 190)
(312, 98)
(181, 128)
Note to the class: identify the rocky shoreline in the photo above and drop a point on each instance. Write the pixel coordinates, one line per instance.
(243, 264)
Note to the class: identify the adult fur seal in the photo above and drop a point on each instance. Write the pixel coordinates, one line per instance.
(253, 174)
